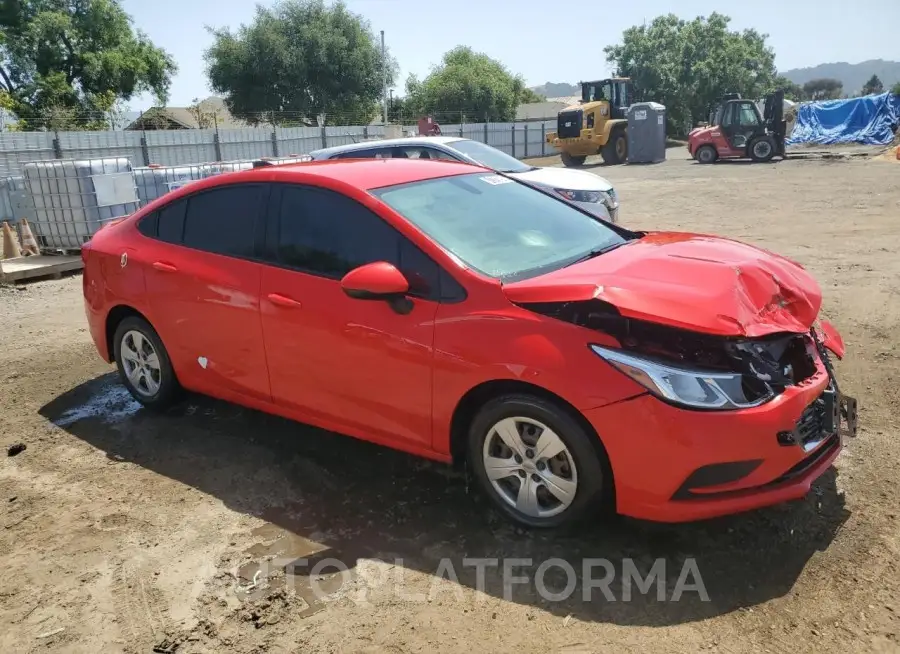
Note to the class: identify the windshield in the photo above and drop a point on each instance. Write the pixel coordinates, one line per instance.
(497, 226)
(490, 157)
(593, 91)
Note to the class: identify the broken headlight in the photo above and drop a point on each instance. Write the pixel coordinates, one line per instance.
(690, 387)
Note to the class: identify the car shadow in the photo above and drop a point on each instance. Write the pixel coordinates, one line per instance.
(329, 496)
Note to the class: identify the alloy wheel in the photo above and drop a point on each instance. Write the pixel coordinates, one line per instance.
(141, 363)
(530, 467)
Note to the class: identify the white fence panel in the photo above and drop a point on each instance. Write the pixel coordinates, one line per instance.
(500, 136)
(17, 148)
(102, 145)
(342, 135)
(242, 144)
(186, 146)
(298, 140)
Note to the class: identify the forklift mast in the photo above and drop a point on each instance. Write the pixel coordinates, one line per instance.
(774, 117)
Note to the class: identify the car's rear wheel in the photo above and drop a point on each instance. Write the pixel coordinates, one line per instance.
(535, 462)
(143, 364)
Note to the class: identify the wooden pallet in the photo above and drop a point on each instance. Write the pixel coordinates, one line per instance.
(27, 268)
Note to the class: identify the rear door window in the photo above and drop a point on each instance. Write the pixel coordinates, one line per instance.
(223, 220)
(171, 222)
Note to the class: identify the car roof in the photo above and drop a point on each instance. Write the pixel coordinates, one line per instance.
(369, 174)
(362, 174)
(380, 143)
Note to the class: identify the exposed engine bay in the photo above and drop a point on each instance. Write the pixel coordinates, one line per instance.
(776, 361)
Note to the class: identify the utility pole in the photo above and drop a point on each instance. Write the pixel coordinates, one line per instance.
(384, 100)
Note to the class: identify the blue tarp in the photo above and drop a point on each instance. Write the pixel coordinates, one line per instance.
(870, 120)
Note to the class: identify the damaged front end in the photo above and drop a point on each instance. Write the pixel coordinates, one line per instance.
(704, 371)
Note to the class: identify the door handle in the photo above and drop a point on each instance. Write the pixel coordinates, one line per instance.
(283, 301)
(162, 266)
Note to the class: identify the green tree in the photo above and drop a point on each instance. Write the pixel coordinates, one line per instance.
(66, 62)
(896, 89)
(689, 65)
(825, 88)
(400, 112)
(468, 86)
(792, 91)
(529, 95)
(873, 86)
(300, 59)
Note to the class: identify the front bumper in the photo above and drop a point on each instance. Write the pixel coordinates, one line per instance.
(677, 465)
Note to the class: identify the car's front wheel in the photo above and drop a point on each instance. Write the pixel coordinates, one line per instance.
(143, 363)
(535, 462)
(706, 154)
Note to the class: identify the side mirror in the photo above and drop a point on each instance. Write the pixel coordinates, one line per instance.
(375, 281)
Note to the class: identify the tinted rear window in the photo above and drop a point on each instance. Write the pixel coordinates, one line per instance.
(223, 219)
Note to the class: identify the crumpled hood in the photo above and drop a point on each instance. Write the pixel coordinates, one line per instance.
(691, 281)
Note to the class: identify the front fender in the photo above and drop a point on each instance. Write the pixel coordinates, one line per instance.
(514, 344)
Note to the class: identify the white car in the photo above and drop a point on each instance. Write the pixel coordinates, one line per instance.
(590, 192)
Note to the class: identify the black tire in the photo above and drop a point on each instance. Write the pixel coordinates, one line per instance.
(169, 388)
(571, 160)
(616, 149)
(706, 154)
(762, 149)
(592, 472)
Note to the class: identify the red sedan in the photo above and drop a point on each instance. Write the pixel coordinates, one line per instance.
(460, 315)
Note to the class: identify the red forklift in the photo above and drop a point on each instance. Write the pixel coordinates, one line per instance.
(737, 131)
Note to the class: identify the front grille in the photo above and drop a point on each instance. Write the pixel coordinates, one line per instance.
(568, 124)
(818, 420)
(811, 422)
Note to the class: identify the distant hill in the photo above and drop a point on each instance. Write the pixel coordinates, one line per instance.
(852, 76)
(556, 89)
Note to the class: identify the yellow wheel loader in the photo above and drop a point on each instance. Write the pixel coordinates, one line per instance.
(596, 125)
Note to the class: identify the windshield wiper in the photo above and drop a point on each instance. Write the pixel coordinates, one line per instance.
(596, 252)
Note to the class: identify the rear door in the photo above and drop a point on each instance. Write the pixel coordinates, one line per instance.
(203, 287)
(356, 366)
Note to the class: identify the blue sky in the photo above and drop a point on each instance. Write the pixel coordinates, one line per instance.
(542, 41)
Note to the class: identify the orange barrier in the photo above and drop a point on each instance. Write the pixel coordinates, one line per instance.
(10, 243)
(29, 243)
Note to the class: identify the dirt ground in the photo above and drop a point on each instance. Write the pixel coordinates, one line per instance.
(124, 531)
